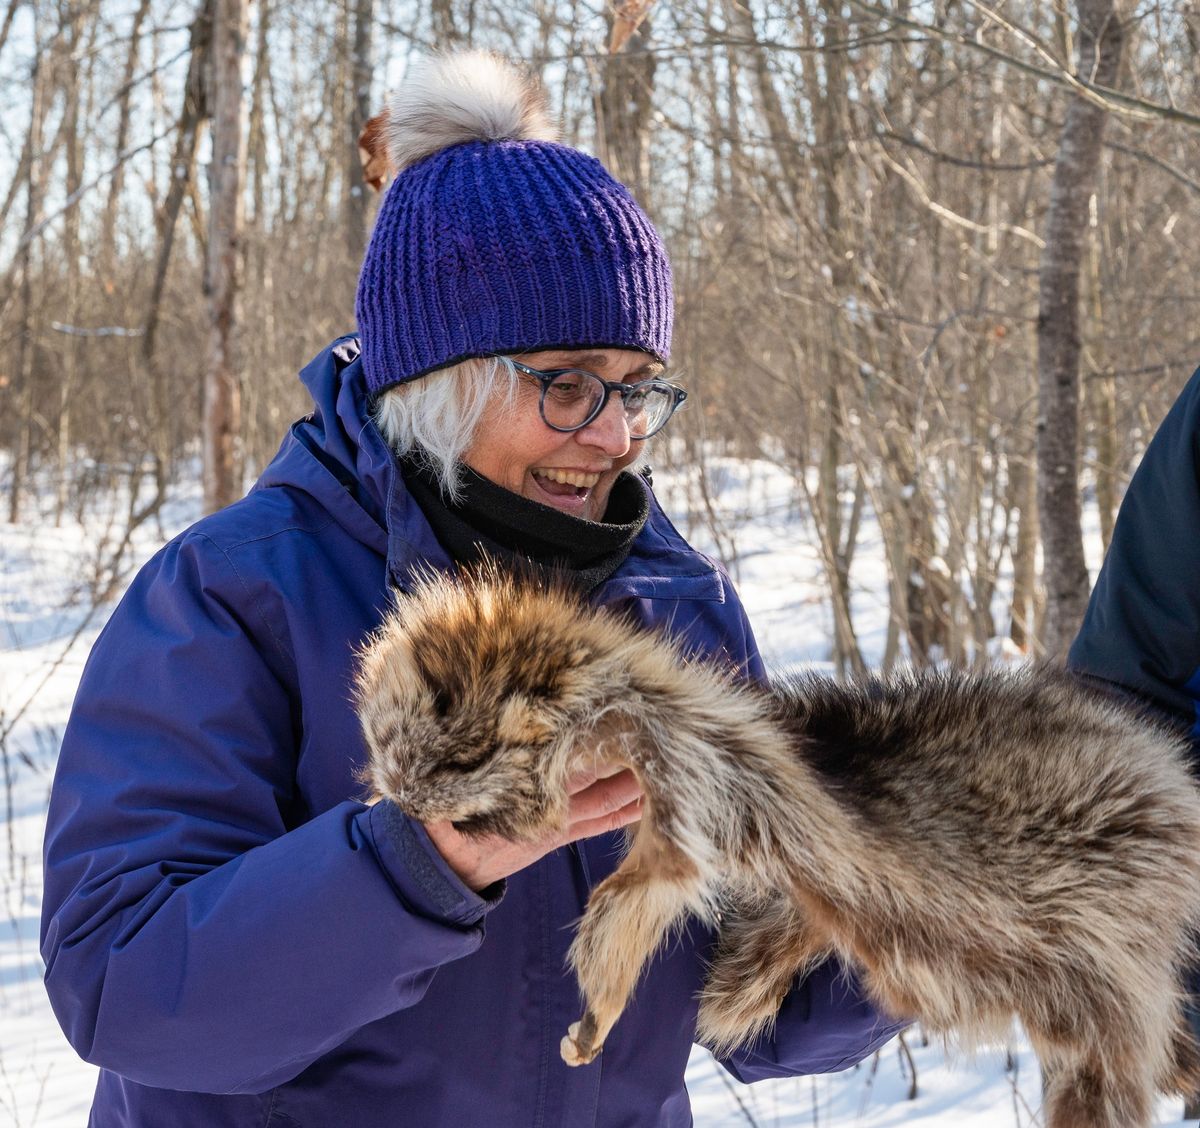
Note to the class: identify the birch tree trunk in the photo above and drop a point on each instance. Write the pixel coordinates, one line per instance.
(626, 105)
(1099, 42)
(363, 15)
(25, 333)
(222, 397)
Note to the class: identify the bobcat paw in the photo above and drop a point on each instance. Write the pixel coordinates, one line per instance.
(576, 1050)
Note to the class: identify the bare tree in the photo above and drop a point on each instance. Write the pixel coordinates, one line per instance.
(1099, 41)
(32, 173)
(362, 14)
(222, 393)
(125, 108)
(625, 107)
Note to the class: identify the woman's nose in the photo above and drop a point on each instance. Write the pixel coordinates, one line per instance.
(609, 430)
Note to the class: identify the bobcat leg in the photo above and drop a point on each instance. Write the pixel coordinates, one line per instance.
(627, 917)
(761, 948)
(1093, 1094)
(1103, 1052)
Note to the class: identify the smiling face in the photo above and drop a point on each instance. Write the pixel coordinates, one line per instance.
(572, 472)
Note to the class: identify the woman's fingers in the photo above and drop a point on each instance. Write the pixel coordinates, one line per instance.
(609, 802)
(604, 798)
(585, 777)
(624, 816)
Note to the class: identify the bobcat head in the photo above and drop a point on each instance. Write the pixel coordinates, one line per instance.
(477, 702)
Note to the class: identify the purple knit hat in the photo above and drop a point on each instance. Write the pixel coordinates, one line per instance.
(495, 239)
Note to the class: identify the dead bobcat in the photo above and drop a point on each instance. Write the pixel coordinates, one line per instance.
(977, 846)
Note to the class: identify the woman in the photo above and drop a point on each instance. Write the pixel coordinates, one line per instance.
(228, 931)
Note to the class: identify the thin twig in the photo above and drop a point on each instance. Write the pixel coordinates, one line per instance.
(736, 1096)
(1114, 101)
(83, 189)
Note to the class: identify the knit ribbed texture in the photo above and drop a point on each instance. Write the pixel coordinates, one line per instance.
(495, 247)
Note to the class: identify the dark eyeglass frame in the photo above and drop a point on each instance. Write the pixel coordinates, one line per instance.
(549, 375)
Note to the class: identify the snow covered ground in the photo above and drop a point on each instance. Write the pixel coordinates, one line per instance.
(47, 625)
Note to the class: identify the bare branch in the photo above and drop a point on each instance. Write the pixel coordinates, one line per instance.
(74, 198)
(1104, 97)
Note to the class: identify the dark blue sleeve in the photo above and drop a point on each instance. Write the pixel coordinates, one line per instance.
(194, 937)
(825, 1024)
(1142, 626)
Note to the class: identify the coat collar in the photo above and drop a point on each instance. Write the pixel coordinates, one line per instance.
(338, 453)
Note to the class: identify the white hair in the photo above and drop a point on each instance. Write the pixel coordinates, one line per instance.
(463, 96)
(436, 416)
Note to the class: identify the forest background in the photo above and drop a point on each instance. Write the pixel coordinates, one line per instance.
(931, 260)
(932, 256)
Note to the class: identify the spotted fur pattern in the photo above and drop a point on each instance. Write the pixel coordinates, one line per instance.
(977, 846)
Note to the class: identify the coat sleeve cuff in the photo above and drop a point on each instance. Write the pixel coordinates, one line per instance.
(825, 1024)
(422, 878)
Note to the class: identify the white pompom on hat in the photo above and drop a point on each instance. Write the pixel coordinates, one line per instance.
(469, 96)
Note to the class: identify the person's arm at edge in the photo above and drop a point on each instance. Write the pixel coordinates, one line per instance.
(1140, 635)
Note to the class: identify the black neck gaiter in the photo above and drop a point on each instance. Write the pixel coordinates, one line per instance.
(490, 521)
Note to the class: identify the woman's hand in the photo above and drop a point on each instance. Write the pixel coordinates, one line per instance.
(603, 799)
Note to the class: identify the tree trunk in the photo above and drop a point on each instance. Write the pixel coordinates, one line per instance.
(192, 115)
(1102, 391)
(836, 547)
(24, 365)
(446, 32)
(1104, 422)
(72, 250)
(191, 118)
(783, 142)
(222, 399)
(6, 25)
(626, 105)
(1023, 613)
(108, 235)
(1100, 39)
(360, 77)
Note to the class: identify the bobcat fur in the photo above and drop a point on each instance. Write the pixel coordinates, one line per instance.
(977, 846)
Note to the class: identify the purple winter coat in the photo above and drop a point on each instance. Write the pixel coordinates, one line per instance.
(237, 940)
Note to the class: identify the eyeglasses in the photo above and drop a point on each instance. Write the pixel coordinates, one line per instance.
(572, 398)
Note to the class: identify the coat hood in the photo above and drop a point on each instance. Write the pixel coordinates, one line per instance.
(337, 454)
